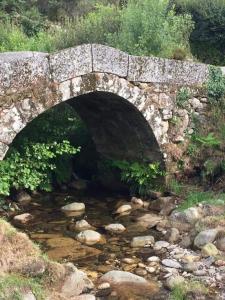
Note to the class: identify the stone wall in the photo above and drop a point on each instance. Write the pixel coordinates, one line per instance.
(31, 83)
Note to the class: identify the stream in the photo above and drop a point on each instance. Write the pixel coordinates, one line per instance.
(56, 233)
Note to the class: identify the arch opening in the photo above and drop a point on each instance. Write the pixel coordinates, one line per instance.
(111, 129)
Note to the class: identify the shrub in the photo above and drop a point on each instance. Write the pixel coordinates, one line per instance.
(148, 28)
(141, 177)
(216, 85)
(183, 96)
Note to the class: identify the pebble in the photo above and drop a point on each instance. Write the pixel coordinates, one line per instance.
(123, 208)
(140, 272)
(171, 263)
(128, 261)
(115, 228)
(104, 285)
(160, 244)
(89, 237)
(142, 241)
(137, 201)
(150, 269)
(153, 259)
(75, 206)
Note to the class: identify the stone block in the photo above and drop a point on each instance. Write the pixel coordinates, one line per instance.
(19, 70)
(70, 63)
(109, 60)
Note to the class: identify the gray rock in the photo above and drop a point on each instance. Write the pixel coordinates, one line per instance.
(75, 206)
(82, 225)
(161, 244)
(89, 237)
(171, 263)
(205, 237)
(115, 228)
(75, 283)
(142, 241)
(116, 277)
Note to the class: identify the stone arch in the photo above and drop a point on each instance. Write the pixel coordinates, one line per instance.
(105, 94)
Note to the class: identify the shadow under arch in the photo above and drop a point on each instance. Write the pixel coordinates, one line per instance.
(119, 130)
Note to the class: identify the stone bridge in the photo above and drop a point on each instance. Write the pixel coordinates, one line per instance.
(128, 102)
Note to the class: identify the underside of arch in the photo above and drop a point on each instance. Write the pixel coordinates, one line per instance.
(118, 129)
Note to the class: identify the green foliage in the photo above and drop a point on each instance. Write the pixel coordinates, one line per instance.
(141, 177)
(33, 167)
(175, 186)
(12, 286)
(207, 141)
(41, 154)
(216, 85)
(182, 97)
(148, 28)
(193, 198)
(208, 37)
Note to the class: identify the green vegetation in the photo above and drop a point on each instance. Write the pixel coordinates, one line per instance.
(41, 155)
(208, 37)
(175, 29)
(182, 97)
(12, 287)
(216, 85)
(141, 177)
(181, 291)
(146, 28)
(193, 198)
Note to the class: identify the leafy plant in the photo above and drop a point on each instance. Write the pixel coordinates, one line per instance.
(141, 177)
(216, 85)
(207, 141)
(33, 167)
(182, 97)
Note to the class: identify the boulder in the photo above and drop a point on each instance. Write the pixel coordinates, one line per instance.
(209, 250)
(115, 228)
(89, 237)
(75, 283)
(75, 206)
(204, 237)
(142, 241)
(23, 219)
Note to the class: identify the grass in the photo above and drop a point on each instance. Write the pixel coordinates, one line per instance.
(180, 291)
(176, 187)
(13, 286)
(196, 197)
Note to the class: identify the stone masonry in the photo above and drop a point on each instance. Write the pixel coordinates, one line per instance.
(31, 83)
